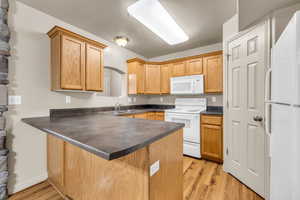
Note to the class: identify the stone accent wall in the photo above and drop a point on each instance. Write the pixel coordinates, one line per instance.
(4, 54)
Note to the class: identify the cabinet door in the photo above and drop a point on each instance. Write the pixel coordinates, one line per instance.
(141, 116)
(140, 78)
(194, 66)
(152, 79)
(151, 116)
(160, 116)
(94, 68)
(178, 69)
(211, 142)
(165, 79)
(129, 116)
(136, 78)
(213, 72)
(72, 64)
(55, 161)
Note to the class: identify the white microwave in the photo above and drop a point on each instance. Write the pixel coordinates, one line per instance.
(187, 85)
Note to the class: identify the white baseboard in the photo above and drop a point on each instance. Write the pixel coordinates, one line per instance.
(28, 183)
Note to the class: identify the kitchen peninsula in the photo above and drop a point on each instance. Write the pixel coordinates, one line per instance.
(102, 155)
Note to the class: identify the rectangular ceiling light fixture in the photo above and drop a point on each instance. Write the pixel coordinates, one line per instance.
(155, 17)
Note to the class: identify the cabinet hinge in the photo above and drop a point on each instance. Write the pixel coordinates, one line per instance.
(227, 152)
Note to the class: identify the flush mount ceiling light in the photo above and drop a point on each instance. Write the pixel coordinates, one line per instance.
(121, 41)
(155, 17)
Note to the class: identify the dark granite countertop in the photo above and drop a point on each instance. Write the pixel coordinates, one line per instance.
(135, 109)
(104, 133)
(213, 110)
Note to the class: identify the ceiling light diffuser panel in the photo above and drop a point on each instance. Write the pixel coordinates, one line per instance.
(155, 17)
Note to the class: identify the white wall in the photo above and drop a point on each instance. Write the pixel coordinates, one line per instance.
(29, 77)
(167, 99)
(231, 27)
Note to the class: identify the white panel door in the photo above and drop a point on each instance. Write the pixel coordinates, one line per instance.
(246, 72)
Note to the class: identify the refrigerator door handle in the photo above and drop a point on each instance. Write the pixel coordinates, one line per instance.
(267, 102)
(268, 119)
(268, 85)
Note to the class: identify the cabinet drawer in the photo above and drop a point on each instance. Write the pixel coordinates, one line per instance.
(211, 119)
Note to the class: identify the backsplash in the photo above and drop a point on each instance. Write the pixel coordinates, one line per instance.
(212, 99)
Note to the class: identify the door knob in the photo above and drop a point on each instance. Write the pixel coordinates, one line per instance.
(258, 118)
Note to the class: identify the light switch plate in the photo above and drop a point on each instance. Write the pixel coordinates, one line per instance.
(68, 99)
(134, 99)
(14, 100)
(154, 168)
(161, 99)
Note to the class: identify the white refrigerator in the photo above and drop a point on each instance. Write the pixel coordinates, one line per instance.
(284, 120)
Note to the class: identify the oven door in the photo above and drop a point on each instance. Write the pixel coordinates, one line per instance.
(191, 129)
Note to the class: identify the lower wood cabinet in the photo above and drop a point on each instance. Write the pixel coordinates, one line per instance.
(149, 115)
(160, 116)
(212, 138)
(55, 163)
(141, 116)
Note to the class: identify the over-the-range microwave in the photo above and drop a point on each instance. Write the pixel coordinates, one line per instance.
(187, 85)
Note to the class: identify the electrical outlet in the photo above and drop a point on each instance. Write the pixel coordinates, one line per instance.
(129, 100)
(161, 99)
(14, 100)
(68, 99)
(154, 168)
(214, 99)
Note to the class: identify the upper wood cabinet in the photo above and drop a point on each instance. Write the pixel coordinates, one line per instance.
(76, 61)
(213, 74)
(94, 68)
(154, 77)
(165, 75)
(136, 77)
(194, 66)
(72, 63)
(152, 85)
(178, 69)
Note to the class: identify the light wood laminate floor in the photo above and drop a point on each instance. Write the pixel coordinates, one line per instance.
(203, 180)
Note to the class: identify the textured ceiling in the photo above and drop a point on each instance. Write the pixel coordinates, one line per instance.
(201, 19)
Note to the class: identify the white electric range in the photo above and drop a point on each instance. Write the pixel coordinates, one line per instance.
(187, 111)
